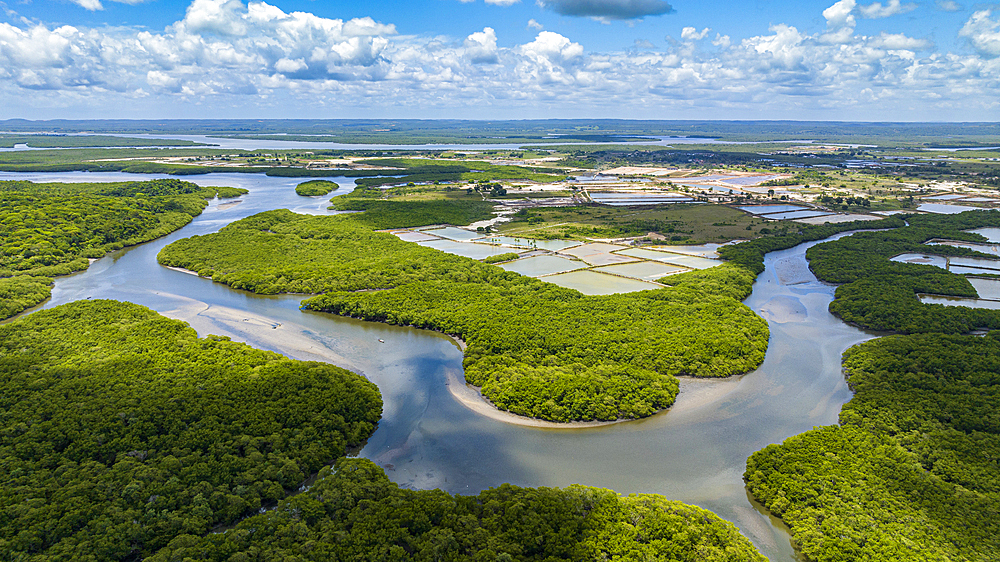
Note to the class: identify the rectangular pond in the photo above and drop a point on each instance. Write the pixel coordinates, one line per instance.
(452, 233)
(945, 209)
(465, 249)
(704, 250)
(984, 248)
(554, 245)
(922, 259)
(594, 283)
(991, 233)
(958, 301)
(764, 209)
(592, 248)
(988, 289)
(791, 215)
(693, 262)
(946, 197)
(988, 266)
(645, 270)
(411, 236)
(542, 265)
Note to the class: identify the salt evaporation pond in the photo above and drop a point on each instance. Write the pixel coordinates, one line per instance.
(693, 262)
(592, 283)
(553, 245)
(646, 270)
(992, 265)
(453, 233)
(986, 288)
(959, 301)
(922, 259)
(946, 197)
(536, 266)
(703, 250)
(765, 209)
(795, 215)
(945, 209)
(991, 233)
(411, 236)
(984, 248)
(464, 249)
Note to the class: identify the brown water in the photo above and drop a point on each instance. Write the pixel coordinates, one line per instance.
(695, 452)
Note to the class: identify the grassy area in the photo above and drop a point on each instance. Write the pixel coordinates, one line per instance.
(688, 223)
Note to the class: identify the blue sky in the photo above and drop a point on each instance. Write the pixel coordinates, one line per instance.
(643, 59)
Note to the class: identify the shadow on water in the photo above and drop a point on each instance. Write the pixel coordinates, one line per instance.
(696, 452)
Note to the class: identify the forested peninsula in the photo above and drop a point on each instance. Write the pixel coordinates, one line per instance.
(911, 472)
(54, 229)
(535, 349)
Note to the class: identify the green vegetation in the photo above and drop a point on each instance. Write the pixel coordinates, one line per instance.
(912, 471)
(675, 222)
(316, 187)
(52, 229)
(419, 170)
(355, 513)
(499, 258)
(883, 295)
(122, 430)
(535, 349)
(413, 206)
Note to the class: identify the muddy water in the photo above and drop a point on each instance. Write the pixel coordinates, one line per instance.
(695, 452)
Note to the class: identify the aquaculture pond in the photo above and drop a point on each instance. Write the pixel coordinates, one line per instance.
(591, 282)
(428, 437)
(537, 266)
(945, 208)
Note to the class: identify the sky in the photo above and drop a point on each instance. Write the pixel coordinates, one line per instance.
(893, 60)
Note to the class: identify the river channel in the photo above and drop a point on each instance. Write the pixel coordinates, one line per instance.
(695, 452)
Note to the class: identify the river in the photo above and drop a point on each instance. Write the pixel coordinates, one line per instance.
(695, 452)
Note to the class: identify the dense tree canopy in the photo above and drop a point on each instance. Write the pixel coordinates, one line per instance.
(535, 349)
(355, 513)
(316, 187)
(121, 429)
(912, 472)
(51, 229)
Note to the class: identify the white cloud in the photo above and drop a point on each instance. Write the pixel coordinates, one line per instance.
(899, 41)
(948, 6)
(892, 8)
(692, 34)
(91, 5)
(502, 2)
(840, 14)
(224, 54)
(481, 46)
(532, 24)
(983, 33)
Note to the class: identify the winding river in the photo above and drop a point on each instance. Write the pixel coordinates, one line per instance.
(695, 452)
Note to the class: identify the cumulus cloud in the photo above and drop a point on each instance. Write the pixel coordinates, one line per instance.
(983, 33)
(532, 24)
(892, 8)
(899, 41)
(692, 34)
(948, 6)
(840, 14)
(481, 46)
(227, 54)
(608, 9)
